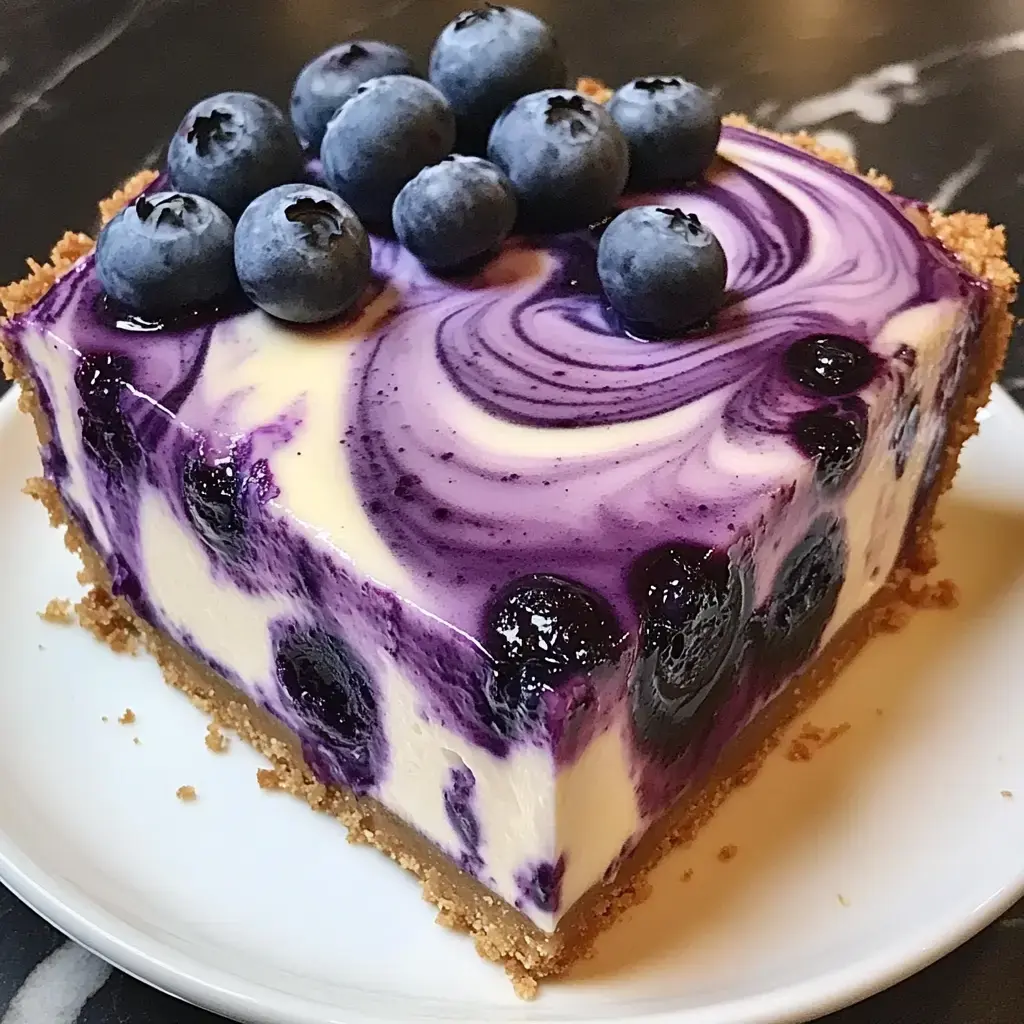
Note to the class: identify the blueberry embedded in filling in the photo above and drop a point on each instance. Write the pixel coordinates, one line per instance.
(458, 799)
(951, 381)
(803, 598)
(905, 434)
(541, 885)
(830, 364)
(952, 374)
(124, 581)
(213, 502)
(107, 435)
(331, 690)
(694, 603)
(515, 694)
(834, 438)
(542, 631)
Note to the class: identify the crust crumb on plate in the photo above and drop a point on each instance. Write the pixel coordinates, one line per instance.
(728, 852)
(186, 794)
(798, 750)
(128, 717)
(58, 611)
(812, 738)
(215, 739)
(940, 594)
(524, 985)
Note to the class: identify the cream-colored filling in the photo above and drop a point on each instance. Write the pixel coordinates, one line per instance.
(528, 810)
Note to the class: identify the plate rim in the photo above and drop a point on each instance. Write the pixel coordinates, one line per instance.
(220, 991)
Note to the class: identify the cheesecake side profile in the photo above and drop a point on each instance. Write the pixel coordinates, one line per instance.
(515, 592)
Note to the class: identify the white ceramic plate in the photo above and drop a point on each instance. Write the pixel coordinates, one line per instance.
(893, 845)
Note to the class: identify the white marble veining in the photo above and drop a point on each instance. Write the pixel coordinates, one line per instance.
(874, 96)
(58, 988)
(36, 94)
(955, 182)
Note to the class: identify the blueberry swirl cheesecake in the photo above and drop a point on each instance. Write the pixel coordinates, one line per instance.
(508, 463)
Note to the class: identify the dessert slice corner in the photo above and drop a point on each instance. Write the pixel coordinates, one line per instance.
(501, 933)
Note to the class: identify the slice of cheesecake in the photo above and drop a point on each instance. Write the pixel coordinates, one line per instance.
(515, 596)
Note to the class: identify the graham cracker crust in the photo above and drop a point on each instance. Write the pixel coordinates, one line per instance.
(500, 932)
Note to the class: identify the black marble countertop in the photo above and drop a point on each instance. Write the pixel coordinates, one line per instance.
(931, 91)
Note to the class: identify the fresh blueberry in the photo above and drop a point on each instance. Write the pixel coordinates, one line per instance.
(301, 254)
(672, 127)
(830, 364)
(107, 436)
(332, 692)
(905, 434)
(516, 693)
(564, 155)
(661, 270)
(803, 598)
(834, 439)
(166, 252)
(486, 59)
(327, 81)
(382, 138)
(213, 502)
(693, 604)
(454, 212)
(231, 147)
(541, 630)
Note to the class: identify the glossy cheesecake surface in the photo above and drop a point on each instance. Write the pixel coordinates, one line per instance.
(515, 572)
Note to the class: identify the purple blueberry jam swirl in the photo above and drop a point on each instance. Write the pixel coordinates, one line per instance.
(502, 427)
(506, 425)
(458, 807)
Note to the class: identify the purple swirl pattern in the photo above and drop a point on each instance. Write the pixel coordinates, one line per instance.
(506, 424)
